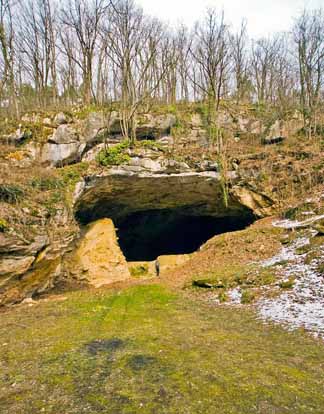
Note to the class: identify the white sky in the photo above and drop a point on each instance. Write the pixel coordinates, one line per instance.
(263, 16)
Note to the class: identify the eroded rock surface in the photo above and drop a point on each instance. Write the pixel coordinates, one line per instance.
(98, 259)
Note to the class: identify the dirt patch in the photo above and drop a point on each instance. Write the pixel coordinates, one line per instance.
(105, 345)
(257, 242)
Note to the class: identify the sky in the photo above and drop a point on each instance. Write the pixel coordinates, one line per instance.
(263, 16)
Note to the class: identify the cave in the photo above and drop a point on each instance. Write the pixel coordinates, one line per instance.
(161, 214)
(145, 235)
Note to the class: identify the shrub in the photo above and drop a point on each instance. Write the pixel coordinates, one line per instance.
(115, 155)
(10, 193)
(3, 226)
(149, 144)
(45, 184)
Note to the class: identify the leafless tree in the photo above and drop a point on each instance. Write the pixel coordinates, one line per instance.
(134, 46)
(83, 19)
(240, 56)
(7, 44)
(309, 38)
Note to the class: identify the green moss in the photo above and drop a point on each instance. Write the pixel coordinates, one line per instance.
(115, 155)
(149, 144)
(229, 276)
(140, 270)
(145, 350)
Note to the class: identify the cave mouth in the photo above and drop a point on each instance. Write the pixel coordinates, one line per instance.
(145, 235)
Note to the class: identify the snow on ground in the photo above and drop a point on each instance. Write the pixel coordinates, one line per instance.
(303, 305)
(235, 296)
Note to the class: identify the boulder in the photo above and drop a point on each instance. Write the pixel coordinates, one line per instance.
(61, 118)
(63, 147)
(276, 135)
(98, 258)
(99, 125)
(64, 134)
(47, 122)
(35, 281)
(91, 155)
(61, 154)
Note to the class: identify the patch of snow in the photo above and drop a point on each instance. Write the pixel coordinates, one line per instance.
(308, 213)
(303, 305)
(287, 253)
(235, 296)
(295, 224)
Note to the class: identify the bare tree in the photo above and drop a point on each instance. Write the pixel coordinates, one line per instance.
(210, 53)
(309, 38)
(134, 46)
(83, 18)
(240, 55)
(7, 38)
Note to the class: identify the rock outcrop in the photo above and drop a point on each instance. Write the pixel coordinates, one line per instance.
(31, 265)
(119, 193)
(98, 259)
(153, 179)
(65, 146)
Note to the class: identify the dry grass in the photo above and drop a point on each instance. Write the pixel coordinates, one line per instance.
(223, 252)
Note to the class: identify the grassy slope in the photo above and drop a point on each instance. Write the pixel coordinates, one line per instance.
(145, 350)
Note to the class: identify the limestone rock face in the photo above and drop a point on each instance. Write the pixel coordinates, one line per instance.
(30, 263)
(155, 127)
(63, 147)
(64, 134)
(98, 258)
(14, 266)
(58, 154)
(120, 193)
(259, 203)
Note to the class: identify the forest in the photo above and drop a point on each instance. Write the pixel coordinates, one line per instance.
(108, 51)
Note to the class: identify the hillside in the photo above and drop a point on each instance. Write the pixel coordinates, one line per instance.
(238, 235)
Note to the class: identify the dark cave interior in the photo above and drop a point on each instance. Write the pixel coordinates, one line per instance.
(145, 235)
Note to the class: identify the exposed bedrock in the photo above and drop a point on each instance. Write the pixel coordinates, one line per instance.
(119, 193)
(155, 214)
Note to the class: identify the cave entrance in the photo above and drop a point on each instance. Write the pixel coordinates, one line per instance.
(143, 236)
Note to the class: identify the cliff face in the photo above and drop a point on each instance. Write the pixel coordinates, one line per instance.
(176, 175)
